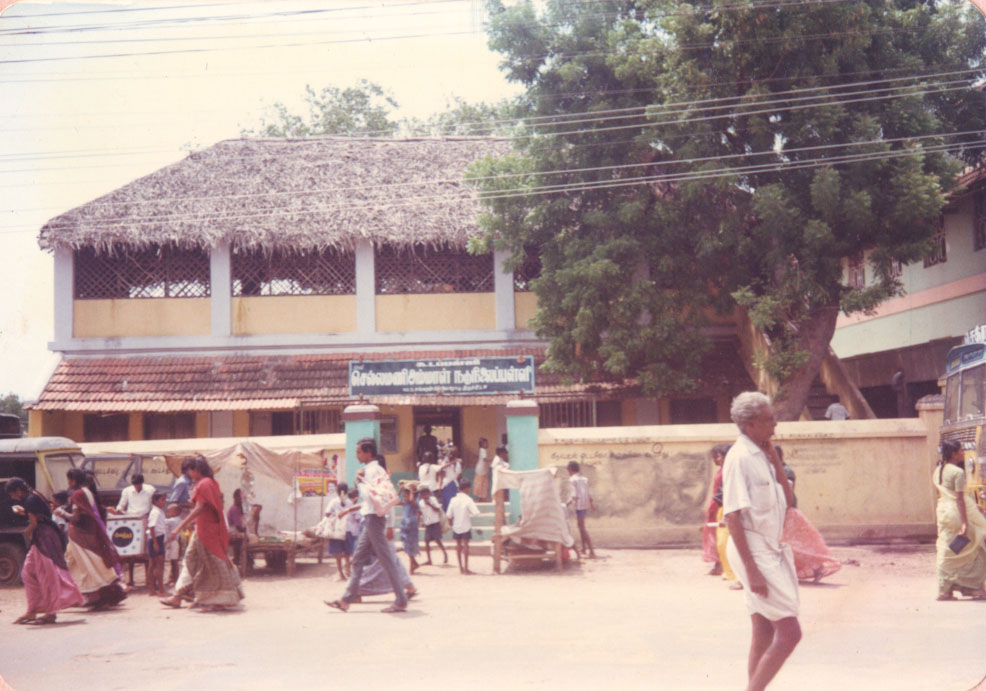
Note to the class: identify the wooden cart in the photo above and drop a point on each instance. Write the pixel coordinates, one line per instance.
(540, 549)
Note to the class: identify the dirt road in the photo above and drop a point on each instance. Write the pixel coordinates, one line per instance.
(630, 620)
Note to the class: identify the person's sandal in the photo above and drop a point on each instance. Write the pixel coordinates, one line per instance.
(338, 604)
(173, 602)
(394, 609)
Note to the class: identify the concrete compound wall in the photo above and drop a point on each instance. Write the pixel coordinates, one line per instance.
(856, 480)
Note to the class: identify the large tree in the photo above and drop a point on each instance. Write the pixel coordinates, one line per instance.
(678, 157)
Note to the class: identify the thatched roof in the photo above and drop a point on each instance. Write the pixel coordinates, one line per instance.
(290, 193)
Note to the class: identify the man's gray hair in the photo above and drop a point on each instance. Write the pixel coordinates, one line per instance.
(747, 406)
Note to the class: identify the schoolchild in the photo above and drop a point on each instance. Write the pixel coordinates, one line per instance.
(431, 517)
(461, 510)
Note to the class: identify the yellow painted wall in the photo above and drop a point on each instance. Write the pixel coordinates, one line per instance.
(477, 421)
(73, 426)
(241, 423)
(36, 424)
(855, 479)
(135, 426)
(403, 460)
(202, 425)
(445, 312)
(141, 317)
(525, 307)
(294, 314)
(55, 423)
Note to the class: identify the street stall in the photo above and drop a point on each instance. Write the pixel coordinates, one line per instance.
(285, 489)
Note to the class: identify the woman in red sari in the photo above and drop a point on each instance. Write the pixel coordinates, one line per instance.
(208, 577)
(90, 555)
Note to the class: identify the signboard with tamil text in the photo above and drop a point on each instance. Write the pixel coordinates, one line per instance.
(448, 376)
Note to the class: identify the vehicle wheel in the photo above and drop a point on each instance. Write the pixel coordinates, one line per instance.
(11, 560)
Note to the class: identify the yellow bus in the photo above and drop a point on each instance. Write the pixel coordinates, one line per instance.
(965, 412)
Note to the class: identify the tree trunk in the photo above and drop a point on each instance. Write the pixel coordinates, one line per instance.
(814, 336)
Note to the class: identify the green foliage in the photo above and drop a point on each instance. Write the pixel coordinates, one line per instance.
(628, 268)
(11, 403)
(368, 110)
(362, 109)
(462, 119)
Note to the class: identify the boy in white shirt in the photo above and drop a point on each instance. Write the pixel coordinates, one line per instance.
(582, 501)
(172, 551)
(431, 517)
(157, 530)
(461, 509)
(500, 460)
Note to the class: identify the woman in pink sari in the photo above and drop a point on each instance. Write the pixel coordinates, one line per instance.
(812, 559)
(47, 583)
(206, 570)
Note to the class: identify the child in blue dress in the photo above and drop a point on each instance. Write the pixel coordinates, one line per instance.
(409, 526)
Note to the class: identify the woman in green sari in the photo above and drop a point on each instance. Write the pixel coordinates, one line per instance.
(961, 563)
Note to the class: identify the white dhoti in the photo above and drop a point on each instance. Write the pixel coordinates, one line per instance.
(777, 567)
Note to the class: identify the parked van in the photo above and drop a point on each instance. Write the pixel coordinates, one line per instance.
(42, 462)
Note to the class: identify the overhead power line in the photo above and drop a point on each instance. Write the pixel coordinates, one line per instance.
(370, 38)
(314, 191)
(406, 200)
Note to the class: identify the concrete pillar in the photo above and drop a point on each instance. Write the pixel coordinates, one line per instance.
(221, 289)
(931, 411)
(522, 443)
(366, 289)
(503, 287)
(64, 275)
(361, 420)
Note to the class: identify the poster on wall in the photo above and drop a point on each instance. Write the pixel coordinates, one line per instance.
(473, 376)
(128, 534)
(314, 482)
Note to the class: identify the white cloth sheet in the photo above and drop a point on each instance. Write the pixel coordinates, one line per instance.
(542, 516)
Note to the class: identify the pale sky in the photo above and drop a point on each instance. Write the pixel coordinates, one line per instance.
(74, 127)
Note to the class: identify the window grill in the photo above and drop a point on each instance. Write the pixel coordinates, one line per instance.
(568, 414)
(527, 271)
(896, 268)
(857, 272)
(319, 421)
(938, 254)
(426, 270)
(163, 271)
(328, 272)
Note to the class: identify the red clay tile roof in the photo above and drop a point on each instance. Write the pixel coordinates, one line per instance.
(253, 382)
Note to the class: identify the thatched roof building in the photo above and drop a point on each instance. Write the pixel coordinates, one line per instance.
(302, 194)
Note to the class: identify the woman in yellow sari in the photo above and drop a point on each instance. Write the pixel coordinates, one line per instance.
(961, 567)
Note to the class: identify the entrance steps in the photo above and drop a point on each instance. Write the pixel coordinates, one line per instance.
(482, 533)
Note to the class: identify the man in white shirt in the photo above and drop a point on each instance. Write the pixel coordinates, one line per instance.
(373, 538)
(836, 411)
(461, 510)
(756, 495)
(135, 500)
